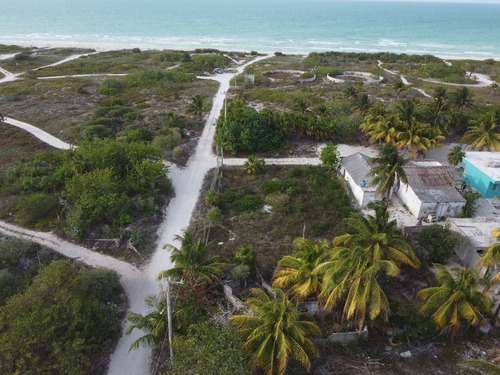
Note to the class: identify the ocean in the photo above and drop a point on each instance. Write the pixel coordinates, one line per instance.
(453, 30)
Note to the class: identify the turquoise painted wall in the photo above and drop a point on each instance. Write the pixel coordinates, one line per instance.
(480, 181)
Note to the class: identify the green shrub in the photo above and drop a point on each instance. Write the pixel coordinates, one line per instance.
(246, 255)
(212, 197)
(255, 165)
(241, 273)
(278, 201)
(214, 216)
(439, 242)
(249, 203)
(270, 186)
(35, 208)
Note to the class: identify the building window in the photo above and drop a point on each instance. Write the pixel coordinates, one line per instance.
(495, 187)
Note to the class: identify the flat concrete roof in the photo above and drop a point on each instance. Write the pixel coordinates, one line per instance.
(477, 230)
(487, 161)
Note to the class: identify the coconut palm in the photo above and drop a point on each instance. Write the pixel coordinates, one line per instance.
(154, 324)
(491, 256)
(378, 236)
(462, 98)
(484, 367)
(193, 258)
(388, 171)
(196, 105)
(276, 332)
(374, 245)
(399, 86)
(350, 277)
(418, 137)
(363, 104)
(456, 301)
(456, 155)
(485, 134)
(381, 128)
(296, 271)
(436, 114)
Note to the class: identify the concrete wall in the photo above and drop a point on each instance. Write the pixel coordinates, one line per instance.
(362, 196)
(422, 209)
(410, 199)
(348, 336)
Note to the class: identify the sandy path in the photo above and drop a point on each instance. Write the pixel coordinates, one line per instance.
(40, 134)
(85, 75)
(9, 77)
(187, 183)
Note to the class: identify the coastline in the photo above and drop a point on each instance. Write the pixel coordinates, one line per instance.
(104, 47)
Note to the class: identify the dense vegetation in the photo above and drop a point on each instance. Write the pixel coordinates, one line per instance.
(100, 186)
(54, 316)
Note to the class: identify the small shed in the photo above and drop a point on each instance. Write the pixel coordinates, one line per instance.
(482, 172)
(431, 189)
(354, 169)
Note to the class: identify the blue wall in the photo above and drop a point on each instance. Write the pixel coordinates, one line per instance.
(479, 180)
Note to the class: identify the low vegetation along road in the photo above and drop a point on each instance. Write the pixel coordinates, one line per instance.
(138, 284)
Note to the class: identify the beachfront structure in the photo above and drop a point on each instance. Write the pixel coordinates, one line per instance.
(354, 169)
(431, 189)
(482, 172)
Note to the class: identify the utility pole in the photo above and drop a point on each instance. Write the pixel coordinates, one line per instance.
(169, 317)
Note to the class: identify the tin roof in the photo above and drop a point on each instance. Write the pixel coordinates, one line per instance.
(433, 181)
(358, 167)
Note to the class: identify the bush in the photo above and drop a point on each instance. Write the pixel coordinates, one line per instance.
(214, 216)
(209, 349)
(438, 241)
(34, 208)
(330, 157)
(212, 198)
(103, 284)
(278, 201)
(270, 186)
(255, 165)
(246, 255)
(241, 273)
(249, 203)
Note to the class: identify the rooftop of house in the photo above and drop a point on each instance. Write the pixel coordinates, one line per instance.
(358, 167)
(433, 181)
(477, 230)
(488, 162)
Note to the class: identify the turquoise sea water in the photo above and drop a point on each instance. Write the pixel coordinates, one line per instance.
(445, 29)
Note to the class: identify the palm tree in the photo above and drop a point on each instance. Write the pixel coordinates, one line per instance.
(456, 155)
(436, 114)
(486, 368)
(196, 105)
(484, 135)
(389, 170)
(350, 275)
(378, 236)
(154, 323)
(462, 98)
(399, 86)
(456, 300)
(193, 258)
(363, 103)
(491, 256)
(381, 128)
(352, 92)
(373, 245)
(296, 271)
(276, 332)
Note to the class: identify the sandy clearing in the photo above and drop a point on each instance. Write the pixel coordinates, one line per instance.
(40, 134)
(7, 56)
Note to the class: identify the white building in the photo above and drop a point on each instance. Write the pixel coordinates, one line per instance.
(354, 169)
(478, 233)
(431, 189)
